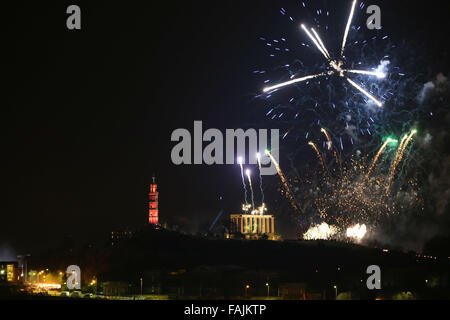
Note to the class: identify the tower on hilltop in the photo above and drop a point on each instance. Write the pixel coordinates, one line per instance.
(153, 202)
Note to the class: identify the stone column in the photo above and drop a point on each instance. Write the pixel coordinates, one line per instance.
(264, 225)
(260, 224)
(245, 224)
(240, 224)
(257, 224)
(272, 219)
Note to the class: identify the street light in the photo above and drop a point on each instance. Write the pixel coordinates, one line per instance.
(246, 288)
(141, 287)
(93, 284)
(39, 273)
(268, 288)
(335, 288)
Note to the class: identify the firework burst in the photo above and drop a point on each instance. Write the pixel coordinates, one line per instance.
(365, 182)
(335, 66)
(357, 193)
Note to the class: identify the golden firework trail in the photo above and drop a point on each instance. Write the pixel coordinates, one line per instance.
(399, 156)
(389, 140)
(330, 144)
(283, 180)
(411, 135)
(326, 134)
(400, 147)
(394, 164)
(313, 145)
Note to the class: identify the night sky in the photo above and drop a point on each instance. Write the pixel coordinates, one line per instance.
(89, 113)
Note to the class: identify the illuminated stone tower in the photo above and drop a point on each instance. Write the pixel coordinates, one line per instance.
(153, 203)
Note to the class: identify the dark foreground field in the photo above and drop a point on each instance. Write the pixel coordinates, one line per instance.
(187, 266)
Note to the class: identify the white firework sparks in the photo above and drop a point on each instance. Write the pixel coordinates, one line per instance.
(323, 231)
(347, 28)
(284, 84)
(357, 232)
(335, 64)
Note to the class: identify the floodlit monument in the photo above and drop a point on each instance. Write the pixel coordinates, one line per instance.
(253, 225)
